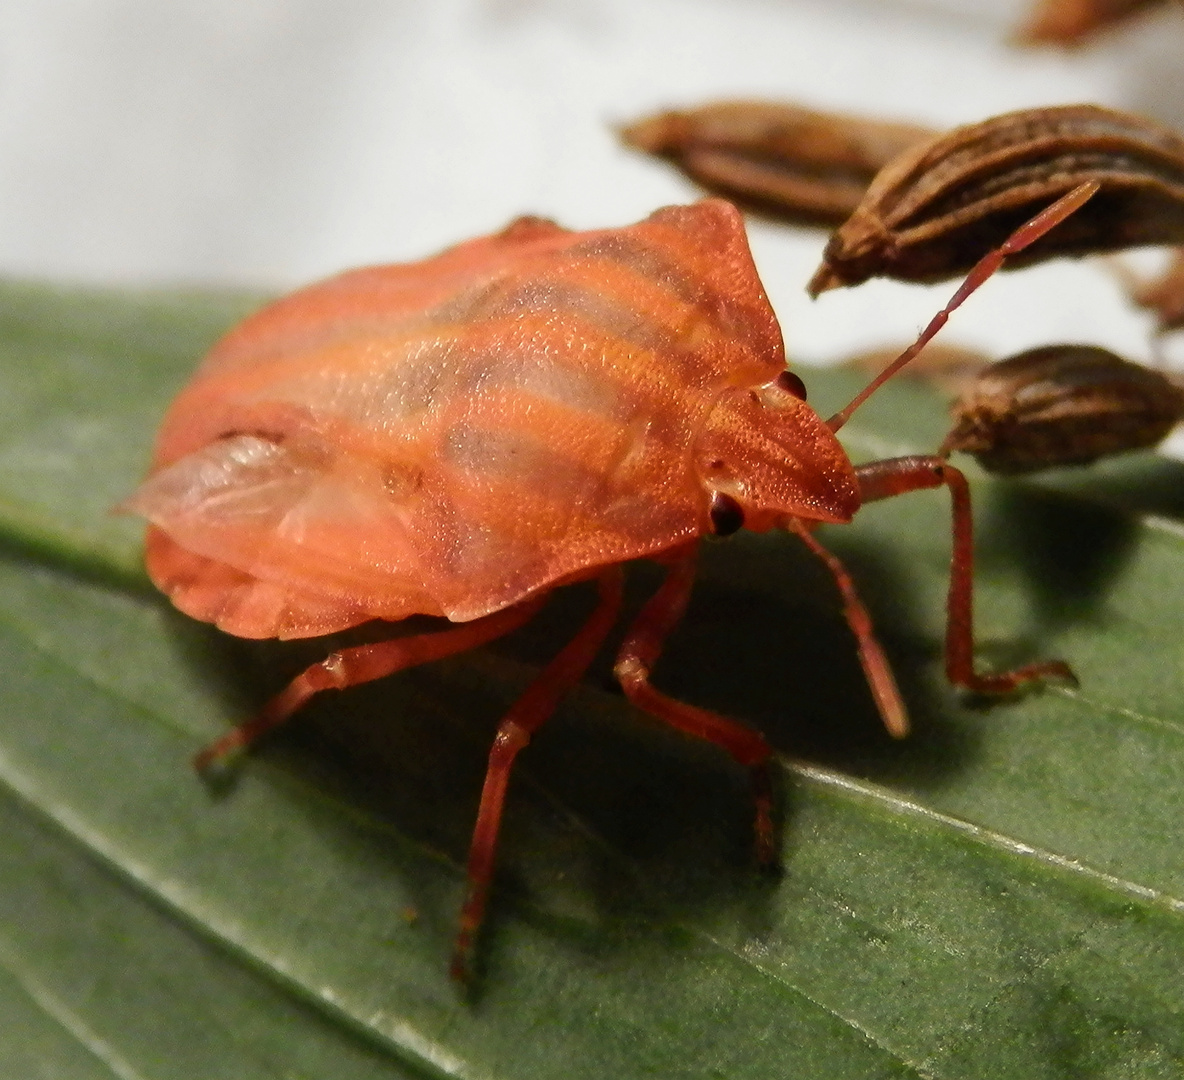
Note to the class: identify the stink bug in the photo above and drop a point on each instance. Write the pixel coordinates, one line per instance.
(457, 437)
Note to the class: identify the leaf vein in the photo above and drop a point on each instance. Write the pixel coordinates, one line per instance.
(65, 1017)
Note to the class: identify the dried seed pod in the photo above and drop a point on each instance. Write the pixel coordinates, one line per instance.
(1073, 22)
(932, 211)
(1165, 295)
(1062, 405)
(797, 165)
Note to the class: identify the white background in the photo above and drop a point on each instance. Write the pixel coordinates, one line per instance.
(270, 142)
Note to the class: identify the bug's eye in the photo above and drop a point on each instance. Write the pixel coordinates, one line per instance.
(727, 515)
(791, 384)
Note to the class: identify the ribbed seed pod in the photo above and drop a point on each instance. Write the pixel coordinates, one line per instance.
(793, 164)
(1062, 405)
(1074, 22)
(936, 208)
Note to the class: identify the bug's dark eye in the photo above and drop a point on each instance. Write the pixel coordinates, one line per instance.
(791, 384)
(727, 515)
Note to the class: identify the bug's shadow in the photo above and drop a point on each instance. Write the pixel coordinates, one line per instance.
(1069, 552)
(610, 822)
(796, 673)
(1140, 484)
(614, 823)
(1071, 532)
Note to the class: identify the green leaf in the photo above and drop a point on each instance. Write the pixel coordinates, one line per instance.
(997, 896)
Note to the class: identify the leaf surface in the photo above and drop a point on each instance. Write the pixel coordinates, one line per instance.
(998, 895)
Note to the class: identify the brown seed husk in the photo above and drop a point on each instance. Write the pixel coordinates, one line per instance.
(792, 164)
(1074, 22)
(1062, 405)
(1165, 295)
(936, 209)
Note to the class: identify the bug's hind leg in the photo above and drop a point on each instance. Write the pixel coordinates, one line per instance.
(639, 653)
(349, 667)
(896, 476)
(525, 717)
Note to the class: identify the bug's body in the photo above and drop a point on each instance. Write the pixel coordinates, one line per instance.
(449, 437)
(459, 436)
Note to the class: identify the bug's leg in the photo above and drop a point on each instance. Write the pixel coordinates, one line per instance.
(876, 670)
(896, 476)
(525, 717)
(360, 664)
(638, 654)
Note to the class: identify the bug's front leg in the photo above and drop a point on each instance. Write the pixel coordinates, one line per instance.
(896, 476)
(878, 673)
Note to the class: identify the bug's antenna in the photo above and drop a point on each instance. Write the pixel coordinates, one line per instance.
(1026, 234)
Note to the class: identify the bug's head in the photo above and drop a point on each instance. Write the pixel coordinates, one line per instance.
(764, 454)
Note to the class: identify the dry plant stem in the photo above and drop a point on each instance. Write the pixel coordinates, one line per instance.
(793, 164)
(1165, 295)
(514, 732)
(361, 664)
(896, 476)
(931, 211)
(1074, 22)
(1061, 405)
(1028, 233)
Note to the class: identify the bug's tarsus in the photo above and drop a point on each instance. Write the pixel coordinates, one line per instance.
(637, 656)
(876, 669)
(897, 476)
(514, 732)
(216, 761)
(1025, 235)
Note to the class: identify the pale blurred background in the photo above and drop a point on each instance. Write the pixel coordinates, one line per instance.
(270, 142)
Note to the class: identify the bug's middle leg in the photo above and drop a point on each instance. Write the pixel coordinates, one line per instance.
(525, 717)
(640, 651)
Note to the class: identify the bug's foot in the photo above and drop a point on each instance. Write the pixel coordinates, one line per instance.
(460, 967)
(762, 797)
(472, 915)
(1006, 682)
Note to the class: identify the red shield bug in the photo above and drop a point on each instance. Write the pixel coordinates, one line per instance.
(457, 437)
